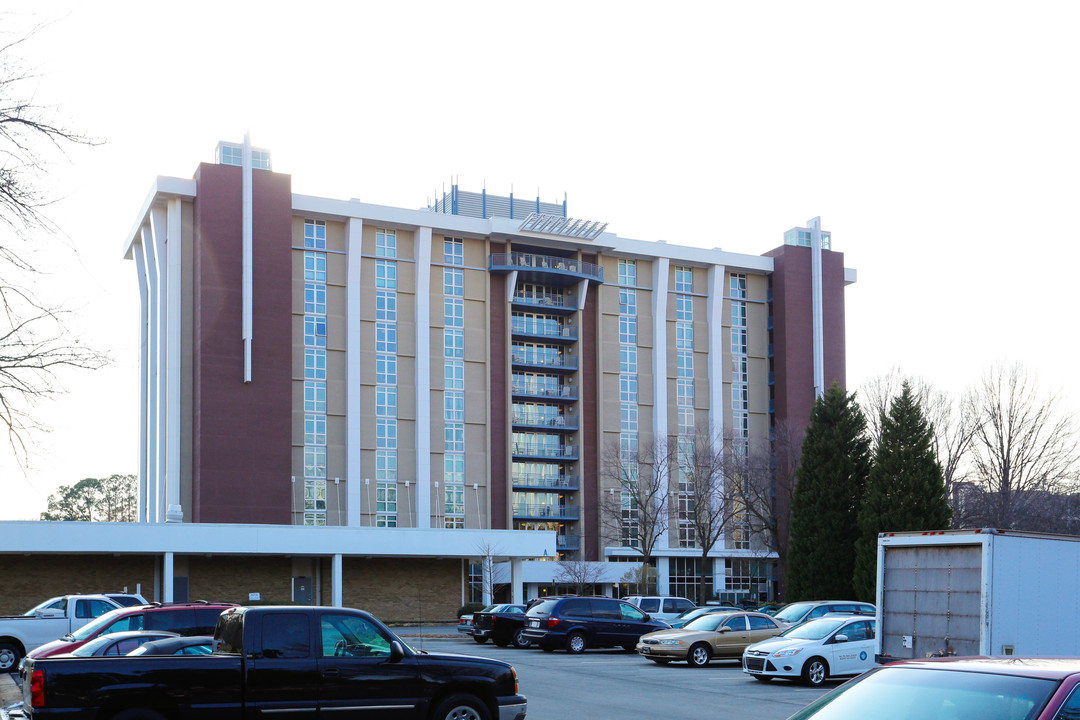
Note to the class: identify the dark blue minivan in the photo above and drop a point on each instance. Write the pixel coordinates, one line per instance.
(576, 623)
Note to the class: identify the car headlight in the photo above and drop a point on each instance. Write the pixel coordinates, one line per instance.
(670, 642)
(787, 653)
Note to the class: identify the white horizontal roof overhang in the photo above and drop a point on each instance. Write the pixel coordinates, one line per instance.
(29, 538)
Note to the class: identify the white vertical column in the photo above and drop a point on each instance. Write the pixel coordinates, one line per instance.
(335, 581)
(423, 378)
(663, 575)
(517, 581)
(167, 577)
(354, 488)
(715, 316)
(819, 332)
(152, 420)
(660, 379)
(174, 244)
(144, 369)
(247, 250)
(159, 220)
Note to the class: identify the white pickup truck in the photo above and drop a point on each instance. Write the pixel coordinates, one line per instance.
(52, 619)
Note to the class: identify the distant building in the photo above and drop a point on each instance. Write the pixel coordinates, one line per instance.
(377, 372)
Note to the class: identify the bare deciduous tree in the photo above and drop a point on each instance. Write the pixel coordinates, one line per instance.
(634, 510)
(35, 342)
(492, 577)
(1024, 447)
(581, 574)
(709, 478)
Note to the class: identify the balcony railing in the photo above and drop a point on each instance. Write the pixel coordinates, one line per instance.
(546, 263)
(544, 451)
(565, 301)
(567, 542)
(543, 328)
(567, 421)
(564, 361)
(564, 392)
(545, 482)
(536, 510)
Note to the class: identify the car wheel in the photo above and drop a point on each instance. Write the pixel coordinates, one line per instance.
(815, 671)
(660, 661)
(520, 640)
(576, 643)
(461, 707)
(9, 657)
(763, 678)
(480, 640)
(699, 655)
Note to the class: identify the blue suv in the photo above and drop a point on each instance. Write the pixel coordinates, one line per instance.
(576, 623)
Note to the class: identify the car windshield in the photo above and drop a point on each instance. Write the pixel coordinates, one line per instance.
(815, 629)
(899, 693)
(90, 629)
(708, 622)
(793, 612)
(692, 613)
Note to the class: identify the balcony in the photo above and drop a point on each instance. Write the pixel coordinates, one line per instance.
(545, 329)
(544, 482)
(544, 452)
(563, 422)
(566, 393)
(556, 303)
(533, 511)
(562, 362)
(545, 269)
(567, 542)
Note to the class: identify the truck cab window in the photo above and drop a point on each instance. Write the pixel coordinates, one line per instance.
(286, 635)
(352, 636)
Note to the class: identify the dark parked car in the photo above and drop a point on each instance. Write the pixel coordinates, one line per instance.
(504, 624)
(1001, 688)
(198, 645)
(577, 623)
(120, 643)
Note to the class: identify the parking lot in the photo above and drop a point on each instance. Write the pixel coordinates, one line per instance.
(618, 684)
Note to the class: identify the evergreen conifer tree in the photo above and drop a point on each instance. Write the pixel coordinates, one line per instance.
(832, 471)
(906, 487)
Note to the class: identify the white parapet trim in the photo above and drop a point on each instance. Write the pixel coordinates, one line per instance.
(222, 539)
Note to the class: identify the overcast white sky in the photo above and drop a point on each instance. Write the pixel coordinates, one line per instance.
(937, 141)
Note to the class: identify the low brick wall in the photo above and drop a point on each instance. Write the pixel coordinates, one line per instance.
(26, 581)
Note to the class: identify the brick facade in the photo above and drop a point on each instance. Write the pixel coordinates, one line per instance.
(27, 581)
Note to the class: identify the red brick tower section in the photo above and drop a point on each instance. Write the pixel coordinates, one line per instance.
(590, 414)
(242, 449)
(500, 399)
(793, 343)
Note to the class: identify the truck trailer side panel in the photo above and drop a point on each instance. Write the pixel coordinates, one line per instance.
(930, 601)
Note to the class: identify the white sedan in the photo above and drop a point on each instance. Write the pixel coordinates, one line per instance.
(822, 648)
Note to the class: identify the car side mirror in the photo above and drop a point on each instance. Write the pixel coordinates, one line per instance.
(840, 638)
(397, 651)
(724, 629)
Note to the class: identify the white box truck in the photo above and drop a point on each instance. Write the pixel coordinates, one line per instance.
(977, 592)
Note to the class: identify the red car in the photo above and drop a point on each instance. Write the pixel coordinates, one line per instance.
(961, 688)
(194, 618)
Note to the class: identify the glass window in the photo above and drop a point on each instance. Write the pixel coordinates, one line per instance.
(385, 401)
(385, 305)
(627, 272)
(737, 285)
(386, 243)
(453, 282)
(314, 298)
(454, 312)
(453, 343)
(386, 433)
(453, 251)
(314, 363)
(631, 613)
(315, 462)
(385, 337)
(285, 635)
(314, 396)
(627, 301)
(314, 429)
(684, 308)
(315, 266)
(385, 274)
(352, 636)
(736, 623)
(385, 369)
(454, 374)
(177, 621)
(684, 279)
(314, 331)
(760, 623)
(315, 234)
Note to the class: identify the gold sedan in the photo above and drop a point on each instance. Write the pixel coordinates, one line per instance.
(719, 635)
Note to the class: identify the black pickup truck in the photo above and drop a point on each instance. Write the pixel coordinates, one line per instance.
(304, 662)
(504, 624)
